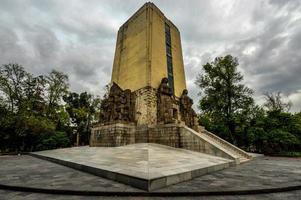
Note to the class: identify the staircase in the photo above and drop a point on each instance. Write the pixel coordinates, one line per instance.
(232, 151)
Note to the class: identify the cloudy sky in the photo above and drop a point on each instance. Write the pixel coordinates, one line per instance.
(78, 37)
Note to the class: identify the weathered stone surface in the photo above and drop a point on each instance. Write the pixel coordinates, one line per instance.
(146, 106)
(167, 134)
(188, 115)
(172, 135)
(261, 173)
(140, 54)
(112, 135)
(118, 106)
(146, 166)
(167, 113)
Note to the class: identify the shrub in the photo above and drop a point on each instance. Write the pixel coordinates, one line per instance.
(53, 140)
(280, 141)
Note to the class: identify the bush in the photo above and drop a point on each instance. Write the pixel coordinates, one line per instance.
(256, 138)
(53, 140)
(280, 141)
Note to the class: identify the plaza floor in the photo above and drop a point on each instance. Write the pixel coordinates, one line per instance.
(145, 165)
(260, 173)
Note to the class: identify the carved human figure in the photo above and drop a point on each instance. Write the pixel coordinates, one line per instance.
(187, 112)
(124, 105)
(118, 106)
(165, 103)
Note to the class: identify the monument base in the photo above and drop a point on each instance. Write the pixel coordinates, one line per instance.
(146, 166)
(173, 135)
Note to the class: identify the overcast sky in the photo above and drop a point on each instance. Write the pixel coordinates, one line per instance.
(78, 38)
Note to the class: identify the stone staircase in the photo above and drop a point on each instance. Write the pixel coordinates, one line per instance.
(237, 154)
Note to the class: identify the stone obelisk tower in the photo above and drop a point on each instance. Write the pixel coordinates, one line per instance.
(148, 101)
(148, 48)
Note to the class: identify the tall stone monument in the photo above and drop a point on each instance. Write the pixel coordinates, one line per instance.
(148, 49)
(148, 101)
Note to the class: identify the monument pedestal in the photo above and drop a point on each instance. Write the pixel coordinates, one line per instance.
(173, 135)
(145, 165)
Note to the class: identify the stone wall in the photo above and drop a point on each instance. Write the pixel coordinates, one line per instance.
(146, 106)
(195, 142)
(112, 135)
(167, 134)
(142, 134)
(173, 135)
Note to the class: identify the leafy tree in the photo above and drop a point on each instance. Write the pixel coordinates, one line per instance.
(33, 99)
(224, 97)
(83, 110)
(29, 107)
(12, 80)
(279, 141)
(297, 128)
(274, 102)
(57, 87)
(274, 131)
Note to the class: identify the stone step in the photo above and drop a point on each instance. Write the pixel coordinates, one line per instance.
(242, 157)
(229, 145)
(224, 148)
(237, 154)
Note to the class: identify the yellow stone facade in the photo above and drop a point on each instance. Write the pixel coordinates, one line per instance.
(140, 55)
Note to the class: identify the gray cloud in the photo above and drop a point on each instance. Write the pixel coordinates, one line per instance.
(78, 38)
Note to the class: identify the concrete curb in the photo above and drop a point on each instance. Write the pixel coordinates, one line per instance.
(147, 194)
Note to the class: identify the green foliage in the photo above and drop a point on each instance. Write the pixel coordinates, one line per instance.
(56, 88)
(32, 108)
(83, 110)
(274, 102)
(224, 99)
(279, 140)
(228, 110)
(53, 140)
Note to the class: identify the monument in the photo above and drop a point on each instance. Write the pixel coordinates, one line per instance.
(148, 87)
(148, 101)
(148, 135)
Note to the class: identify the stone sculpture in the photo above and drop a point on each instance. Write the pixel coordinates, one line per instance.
(118, 106)
(165, 109)
(187, 113)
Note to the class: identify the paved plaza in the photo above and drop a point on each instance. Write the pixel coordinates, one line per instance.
(145, 165)
(260, 173)
(11, 195)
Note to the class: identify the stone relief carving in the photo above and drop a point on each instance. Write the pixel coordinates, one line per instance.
(187, 113)
(118, 106)
(165, 104)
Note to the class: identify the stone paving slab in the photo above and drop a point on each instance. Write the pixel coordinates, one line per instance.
(260, 173)
(146, 166)
(33, 172)
(13, 195)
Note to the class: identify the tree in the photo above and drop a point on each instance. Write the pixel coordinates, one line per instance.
(274, 102)
(224, 97)
(30, 107)
(33, 99)
(57, 87)
(12, 82)
(83, 110)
